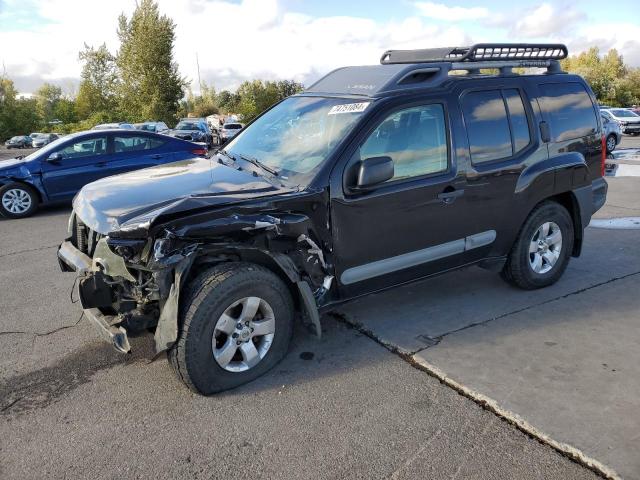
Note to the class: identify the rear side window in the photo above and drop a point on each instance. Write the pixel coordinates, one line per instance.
(134, 144)
(569, 110)
(496, 122)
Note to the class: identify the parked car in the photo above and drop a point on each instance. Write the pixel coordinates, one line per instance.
(194, 130)
(156, 127)
(229, 130)
(109, 126)
(612, 133)
(42, 139)
(19, 141)
(629, 121)
(373, 177)
(57, 171)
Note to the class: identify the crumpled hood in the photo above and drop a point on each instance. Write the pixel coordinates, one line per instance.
(132, 201)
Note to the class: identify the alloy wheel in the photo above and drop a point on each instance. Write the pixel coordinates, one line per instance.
(243, 334)
(16, 201)
(545, 247)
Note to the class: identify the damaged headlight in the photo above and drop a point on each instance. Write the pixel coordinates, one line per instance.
(126, 248)
(162, 247)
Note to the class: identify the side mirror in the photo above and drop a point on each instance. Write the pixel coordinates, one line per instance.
(55, 157)
(374, 171)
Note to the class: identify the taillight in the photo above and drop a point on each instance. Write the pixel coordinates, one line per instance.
(199, 151)
(603, 158)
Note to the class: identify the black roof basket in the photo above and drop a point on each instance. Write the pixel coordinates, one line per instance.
(524, 53)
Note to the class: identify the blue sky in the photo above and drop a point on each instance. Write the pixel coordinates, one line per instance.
(299, 39)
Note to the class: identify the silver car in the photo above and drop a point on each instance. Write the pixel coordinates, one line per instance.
(612, 133)
(229, 130)
(39, 140)
(629, 121)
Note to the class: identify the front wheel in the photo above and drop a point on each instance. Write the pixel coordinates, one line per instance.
(18, 200)
(236, 324)
(542, 250)
(611, 143)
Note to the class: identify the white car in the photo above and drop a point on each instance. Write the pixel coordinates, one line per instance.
(629, 121)
(229, 130)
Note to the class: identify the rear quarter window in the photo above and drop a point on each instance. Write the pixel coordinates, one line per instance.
(569, 109)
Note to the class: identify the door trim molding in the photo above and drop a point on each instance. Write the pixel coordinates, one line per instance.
(417, 257)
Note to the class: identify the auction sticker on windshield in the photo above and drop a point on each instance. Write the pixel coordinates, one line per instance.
(348, 108)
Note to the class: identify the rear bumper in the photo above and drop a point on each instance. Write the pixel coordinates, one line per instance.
(599, 189)
(73, 260)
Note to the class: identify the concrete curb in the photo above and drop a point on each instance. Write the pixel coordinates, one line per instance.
(521, 424)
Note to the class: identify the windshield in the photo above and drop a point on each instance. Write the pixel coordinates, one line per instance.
(148, 127)
(232, 126)
(298, 135)
(623, 113)
(187, 126)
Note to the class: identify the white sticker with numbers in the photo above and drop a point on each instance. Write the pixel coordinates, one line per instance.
(348, 108)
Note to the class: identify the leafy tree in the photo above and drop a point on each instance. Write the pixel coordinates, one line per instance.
(47, 98)
(65, 111)
(257, 96)
(17, 116)
(97, 92)
(150, 86)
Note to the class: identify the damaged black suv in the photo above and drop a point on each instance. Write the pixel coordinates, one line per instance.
(375, 176)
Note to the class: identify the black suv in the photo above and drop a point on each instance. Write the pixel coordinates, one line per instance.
(375, 176)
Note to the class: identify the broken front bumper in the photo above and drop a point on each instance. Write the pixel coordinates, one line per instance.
(73, 260)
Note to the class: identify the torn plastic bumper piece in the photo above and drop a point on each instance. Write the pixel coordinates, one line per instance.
(117, 336)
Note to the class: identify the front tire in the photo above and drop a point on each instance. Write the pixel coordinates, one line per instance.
(611, 143)
(542, 250)
(236, 324)
(18, 200)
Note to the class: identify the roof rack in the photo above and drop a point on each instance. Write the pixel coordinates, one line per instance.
(525, 54)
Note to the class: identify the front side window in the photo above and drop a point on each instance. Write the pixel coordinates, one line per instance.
(414, 138)
(569, 109)
(85, 148)
(135, 144)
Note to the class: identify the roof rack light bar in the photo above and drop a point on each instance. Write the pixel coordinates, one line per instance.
(481, 52)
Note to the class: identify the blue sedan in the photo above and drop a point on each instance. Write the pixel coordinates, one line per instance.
(58, 171)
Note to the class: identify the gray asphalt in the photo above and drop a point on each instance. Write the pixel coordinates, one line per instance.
(340, 407)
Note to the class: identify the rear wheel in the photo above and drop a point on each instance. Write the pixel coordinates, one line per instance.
(541, 252)
(18, 200)
(237, 322)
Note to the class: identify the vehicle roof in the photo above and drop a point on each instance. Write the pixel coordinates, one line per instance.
(404, 70)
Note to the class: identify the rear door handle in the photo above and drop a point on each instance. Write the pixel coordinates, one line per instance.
(157, 156)
(101, 164)
(449, 196)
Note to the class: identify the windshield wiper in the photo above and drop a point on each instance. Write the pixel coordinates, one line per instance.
(258, 163)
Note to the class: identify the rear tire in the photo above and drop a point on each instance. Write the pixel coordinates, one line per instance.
(209, 357)
(18, 200)
(542, 250)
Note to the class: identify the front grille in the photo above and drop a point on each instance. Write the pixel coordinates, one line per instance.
(185, 137)
(83, 238)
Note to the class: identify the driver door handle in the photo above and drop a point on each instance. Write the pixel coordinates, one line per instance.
(450, 194)
(101, 164)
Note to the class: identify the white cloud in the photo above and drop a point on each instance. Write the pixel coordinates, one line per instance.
(440, 11)
(547, 21)
(261, 39)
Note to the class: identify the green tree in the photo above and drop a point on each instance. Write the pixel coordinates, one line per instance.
(256, 96)
(17, 116)
(150, 86)
(97, 92)
(65, 111)
(47, 98)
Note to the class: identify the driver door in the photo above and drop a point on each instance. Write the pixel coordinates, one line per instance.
(411, 225)
(82, 161)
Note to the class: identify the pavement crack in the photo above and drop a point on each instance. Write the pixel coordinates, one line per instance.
(486, 403)
(42, 334)
(435, 340)
(28, 250)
